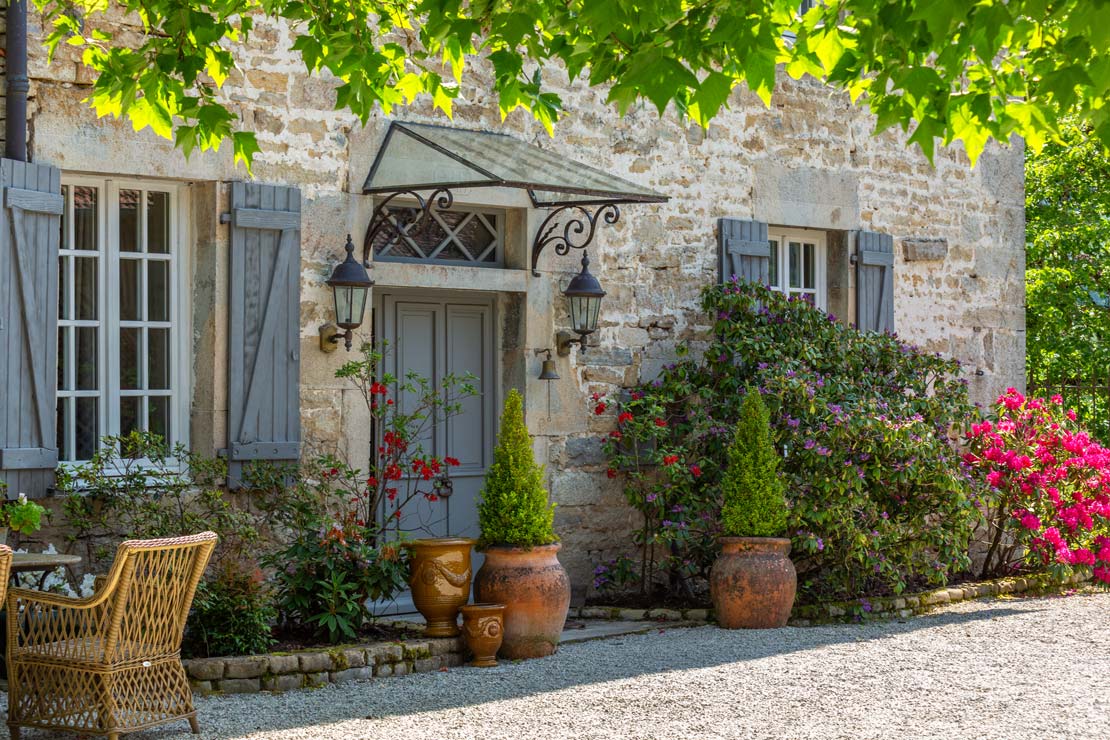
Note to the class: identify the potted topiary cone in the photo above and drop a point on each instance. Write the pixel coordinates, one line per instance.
(522, 569)
(753, 582)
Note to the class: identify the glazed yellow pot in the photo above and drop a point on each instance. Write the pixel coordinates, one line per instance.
(484, 629)
(440, 581)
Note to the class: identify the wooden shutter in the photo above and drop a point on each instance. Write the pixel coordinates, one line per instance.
(874, 281)
(743, 250)
(29, 235)
(264, 419)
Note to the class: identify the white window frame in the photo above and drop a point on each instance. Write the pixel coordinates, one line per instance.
(820, 262)
(108, 343)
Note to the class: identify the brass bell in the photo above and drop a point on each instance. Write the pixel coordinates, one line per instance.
(547, 369)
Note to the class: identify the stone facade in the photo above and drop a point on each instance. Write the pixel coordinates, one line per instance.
(810, 160)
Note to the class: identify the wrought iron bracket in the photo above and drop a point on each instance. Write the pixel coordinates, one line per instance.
(438, 200)
(571, 227)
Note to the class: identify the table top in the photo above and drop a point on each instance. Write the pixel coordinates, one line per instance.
(30, 562)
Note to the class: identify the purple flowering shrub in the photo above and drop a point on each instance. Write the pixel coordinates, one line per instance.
(879, 495)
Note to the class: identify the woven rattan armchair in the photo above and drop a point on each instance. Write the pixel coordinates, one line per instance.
(5, 569)
(110, 663)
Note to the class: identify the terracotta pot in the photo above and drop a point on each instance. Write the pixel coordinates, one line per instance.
(753, 583)
(441, 581)
(484, 628)
(535, 590)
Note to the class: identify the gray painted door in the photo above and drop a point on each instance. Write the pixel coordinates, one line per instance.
(436, 335)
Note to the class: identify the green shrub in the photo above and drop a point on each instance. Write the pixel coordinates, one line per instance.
(232, 614)
(879, 498)
(514, 510)
(752, 494)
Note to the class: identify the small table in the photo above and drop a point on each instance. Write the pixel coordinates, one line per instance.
(46, 563)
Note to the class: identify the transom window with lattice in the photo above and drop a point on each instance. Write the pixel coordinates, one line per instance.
(463, 235)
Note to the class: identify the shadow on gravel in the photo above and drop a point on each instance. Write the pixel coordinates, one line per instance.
(575, 665)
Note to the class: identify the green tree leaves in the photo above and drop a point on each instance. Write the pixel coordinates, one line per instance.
(945, 70)
(1067, 205)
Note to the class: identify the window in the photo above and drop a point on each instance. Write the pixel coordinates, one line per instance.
(460, 235)
(120, 313)
(798, 263)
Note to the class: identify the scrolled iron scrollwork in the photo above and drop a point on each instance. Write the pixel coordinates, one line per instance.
(575, 232)
(402, 225)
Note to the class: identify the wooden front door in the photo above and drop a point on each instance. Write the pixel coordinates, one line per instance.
(437, 334)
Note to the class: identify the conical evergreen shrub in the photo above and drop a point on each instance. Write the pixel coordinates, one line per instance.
(754, 504)
(514, 510)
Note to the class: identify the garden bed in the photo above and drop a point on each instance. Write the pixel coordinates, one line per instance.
(884, 607)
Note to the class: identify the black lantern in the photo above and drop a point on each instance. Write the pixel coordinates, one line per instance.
(584, 296)
(351, 285)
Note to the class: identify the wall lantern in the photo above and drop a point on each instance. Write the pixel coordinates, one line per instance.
(351, 283)
(584, 296)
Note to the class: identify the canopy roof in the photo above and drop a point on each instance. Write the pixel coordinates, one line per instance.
(422, 156)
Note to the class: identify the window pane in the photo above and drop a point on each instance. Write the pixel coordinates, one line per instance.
(795, 265)
(130, 289)
(87, 355)
(84, 285)
(158, 222)
(130, 414)
(87, 423)
(63, 358)
(810, 280)
(158, 376)
(158, 290)
(64, 452)
(85, 218)
(63, 289)
(773, 267)
(160, 416)
(129, 369)
(129, 221)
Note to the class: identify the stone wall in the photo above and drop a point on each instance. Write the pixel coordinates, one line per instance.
(808, 160)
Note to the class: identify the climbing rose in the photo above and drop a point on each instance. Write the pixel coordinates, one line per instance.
(670, 459)
(611, 473)
(695, 471)
(600, 409)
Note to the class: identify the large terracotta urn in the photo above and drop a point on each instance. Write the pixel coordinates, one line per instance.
(535, 590)
(753, 582)
(440, 581)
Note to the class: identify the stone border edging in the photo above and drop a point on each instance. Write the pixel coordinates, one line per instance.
(880, 607)
(316, 667)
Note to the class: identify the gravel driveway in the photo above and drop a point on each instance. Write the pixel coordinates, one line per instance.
(995, 668)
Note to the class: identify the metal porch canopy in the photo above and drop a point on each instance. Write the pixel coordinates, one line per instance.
(422, 156)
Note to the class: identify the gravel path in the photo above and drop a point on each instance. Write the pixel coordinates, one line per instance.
(998, 668)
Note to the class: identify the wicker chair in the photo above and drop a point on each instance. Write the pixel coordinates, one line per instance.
(5, 569)
(110, 663)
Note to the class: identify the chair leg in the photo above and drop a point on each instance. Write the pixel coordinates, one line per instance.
(194, 725)
(14, 731)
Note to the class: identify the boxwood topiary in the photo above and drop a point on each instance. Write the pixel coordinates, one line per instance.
(514, 510)
(752, 493)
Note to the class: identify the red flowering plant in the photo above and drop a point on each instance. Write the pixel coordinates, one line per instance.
(1050, 484)
(348, 523)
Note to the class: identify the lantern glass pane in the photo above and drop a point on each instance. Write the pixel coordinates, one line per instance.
(593, 311)
(350, 302)
(358, 305)
(577, 313)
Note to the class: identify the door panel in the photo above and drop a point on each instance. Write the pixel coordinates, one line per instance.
(434, 334)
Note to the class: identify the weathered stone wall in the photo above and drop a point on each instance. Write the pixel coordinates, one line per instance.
(809, 160)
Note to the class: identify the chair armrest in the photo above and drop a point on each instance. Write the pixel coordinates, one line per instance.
(55, 625)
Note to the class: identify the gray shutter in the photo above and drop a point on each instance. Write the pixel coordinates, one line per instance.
(29, 235)
(264, 420)
(874, 260)
(743, 250)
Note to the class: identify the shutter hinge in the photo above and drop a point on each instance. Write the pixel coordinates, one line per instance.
(853, 259)
(225, 217)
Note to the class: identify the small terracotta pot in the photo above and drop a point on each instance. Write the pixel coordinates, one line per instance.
(484, 629)
(440, 581)
(753, 583)
(535, 590)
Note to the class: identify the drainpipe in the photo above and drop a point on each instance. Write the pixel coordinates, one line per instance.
(15, 132)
